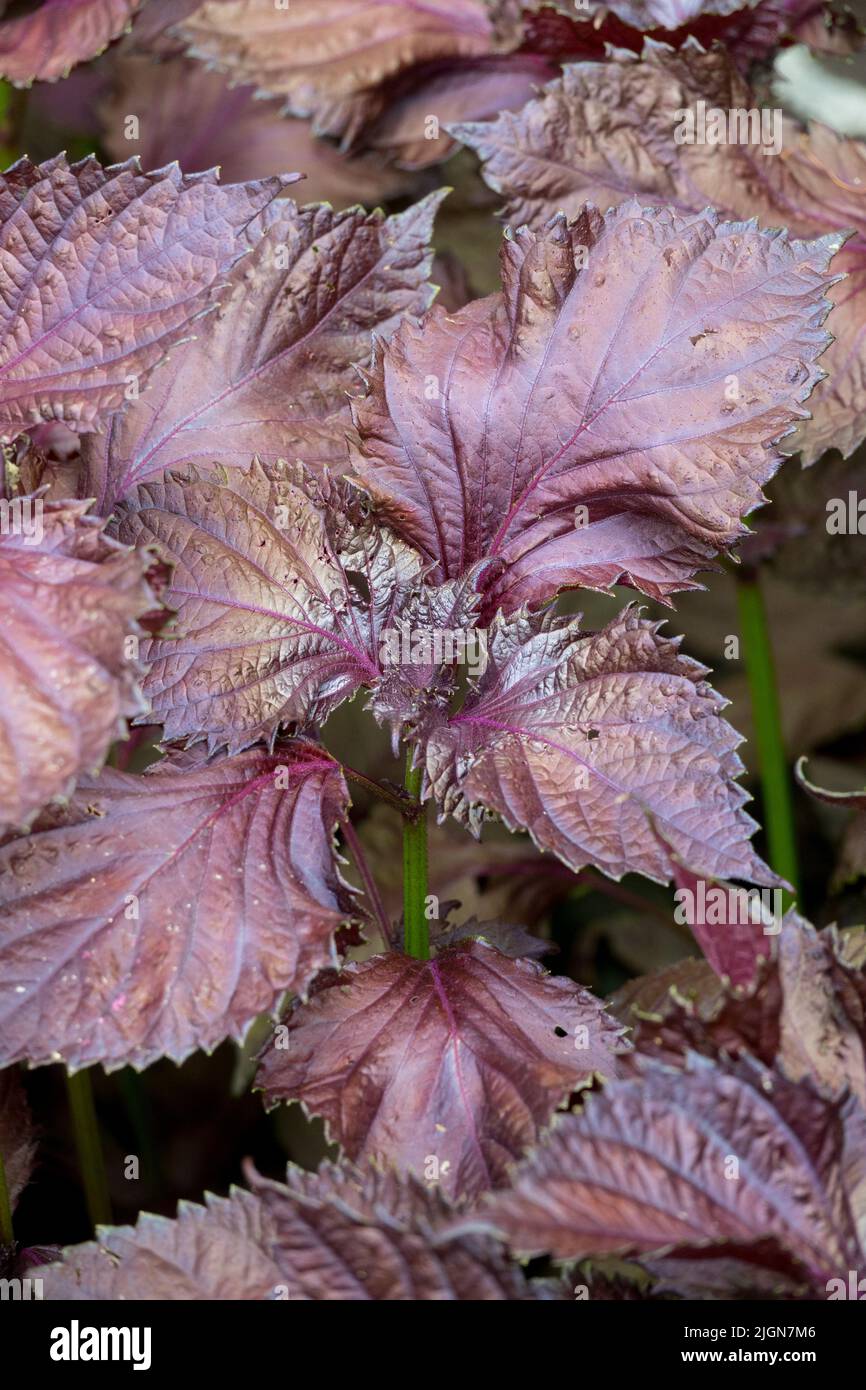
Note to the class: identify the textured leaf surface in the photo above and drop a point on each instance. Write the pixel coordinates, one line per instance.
(644, 1167)
(607, 132)
(672, 14)
(750, 34)
(806, 1012)
(463, 1058)
(351, 1236)
(69, 599)
(162, 913)
(607, 747)
(269, 373)
(44, 44)
(273, 626)
(104, 269)
(17, 1140)
(333, 1235)
(214, 1252)
(329, 58)
(558, 395)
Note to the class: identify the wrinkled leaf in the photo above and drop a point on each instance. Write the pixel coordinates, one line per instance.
(806, 1012)
(648, 1166)
(270, 373)
(575, 441)
(457, 1061)
(331, 1235)
(55, 35)
(162, 913)
(329, 58)
(607, 747)
(671, 14)
(607, 132)
(107, 268)
(750, 33)
(70, 599)
(282, 592)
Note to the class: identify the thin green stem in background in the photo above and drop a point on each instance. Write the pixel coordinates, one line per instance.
(7, 1235)
(12, 104)
(416, 928)
(140, 1117)
(90, 1160)
(772, 760)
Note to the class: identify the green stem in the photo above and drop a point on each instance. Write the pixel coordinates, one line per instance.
(416, 929)
(772, 760)
(12, 105)
(141, 1120)
(7, 1235)
(87, 1143)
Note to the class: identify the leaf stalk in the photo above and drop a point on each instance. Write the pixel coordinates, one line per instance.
(89, 1148)
(772, 760)
(416, 928)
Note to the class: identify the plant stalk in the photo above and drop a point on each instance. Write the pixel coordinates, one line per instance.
(399, 800)
(87, 1143)
(416, 928)
(772, 760)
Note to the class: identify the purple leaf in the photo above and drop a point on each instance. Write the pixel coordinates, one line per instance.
(716, 1155)
(750, 34)
(193, 116)
(350, 1236)
(456, 1062)
(219, 1251)
(607, 747)
(578, 442)
(418, 668)
(336, 1234)
(107, 268)
(468, 89)
(329, 59)
(70, 598)
(734, 935)
(270, 373)
(673, 14)
(162, 913)
(282, 590)
(609, 131)
(806, 1012)
(44, 44)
